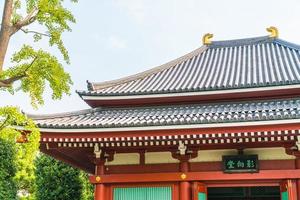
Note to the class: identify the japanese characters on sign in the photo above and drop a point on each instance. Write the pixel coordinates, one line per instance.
(240, 163)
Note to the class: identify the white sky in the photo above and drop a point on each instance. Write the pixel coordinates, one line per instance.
(116, 38)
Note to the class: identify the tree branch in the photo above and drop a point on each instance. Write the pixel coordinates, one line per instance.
(35, 32)
(31, 17)
(5, 30)
(6, 15)
(4, 122)
(9, 81)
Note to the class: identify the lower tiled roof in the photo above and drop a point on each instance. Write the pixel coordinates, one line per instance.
(173, 115)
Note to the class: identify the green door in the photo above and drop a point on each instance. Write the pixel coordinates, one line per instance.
(284, 195)
(143, 193)
(201, 191)
(284, 190)
(201, 196)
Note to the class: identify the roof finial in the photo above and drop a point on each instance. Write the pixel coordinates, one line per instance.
(89, 85)
(274, 32)
(206, 38)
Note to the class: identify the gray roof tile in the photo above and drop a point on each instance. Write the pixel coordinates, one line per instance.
(244, 63)
(173, 115)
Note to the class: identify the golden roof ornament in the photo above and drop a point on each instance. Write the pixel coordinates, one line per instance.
(206, 38)
(274, 32)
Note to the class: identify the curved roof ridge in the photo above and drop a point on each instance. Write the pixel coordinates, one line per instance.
(253, 40)
(63, 114)
(287, 44)
(241, 42)
(97, 86)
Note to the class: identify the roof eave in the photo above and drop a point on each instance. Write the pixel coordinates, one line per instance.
(96, 100)
(214, 126)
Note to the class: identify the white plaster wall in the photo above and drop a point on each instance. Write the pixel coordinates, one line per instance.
(213, 155)
(263, 154)
(125, 159)
(269, 153)
(159, 157)
(203, 156)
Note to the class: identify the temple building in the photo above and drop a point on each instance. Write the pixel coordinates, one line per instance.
(221, 122)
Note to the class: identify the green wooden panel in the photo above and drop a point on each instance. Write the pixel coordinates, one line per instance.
(143, 193)
(284, 196)
(201, 196)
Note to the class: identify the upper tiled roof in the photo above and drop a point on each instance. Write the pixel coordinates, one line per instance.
(244, 63)
(173, 115)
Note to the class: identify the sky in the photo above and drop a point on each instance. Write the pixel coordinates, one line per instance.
(116, 38)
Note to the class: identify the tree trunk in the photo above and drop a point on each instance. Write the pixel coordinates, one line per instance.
(5, 30)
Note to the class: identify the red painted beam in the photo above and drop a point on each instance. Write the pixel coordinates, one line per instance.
(198, 176)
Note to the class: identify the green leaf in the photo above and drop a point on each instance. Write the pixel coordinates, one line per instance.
(37, 37)
(56, 180)
(40, 68)
(37, 69)
(8, 170)
(10, 117)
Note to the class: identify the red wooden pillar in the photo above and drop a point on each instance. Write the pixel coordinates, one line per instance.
(99, 192)
(289, 187)
(292, 189)
(298, 180)
(294, 185)
(185, 188)
(99, 187)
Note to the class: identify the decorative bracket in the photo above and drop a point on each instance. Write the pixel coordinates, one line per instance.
(182, 148)
(298, 143)
(183, 153)
(109, 156)
(294, 150)
(274, 32)
(101, 156)
(97, 151)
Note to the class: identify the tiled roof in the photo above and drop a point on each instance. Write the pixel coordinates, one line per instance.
(244, 63)
(173, 115)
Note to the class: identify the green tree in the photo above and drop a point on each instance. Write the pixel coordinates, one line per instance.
(25, 152)
(56, 180)
(87, 187)
(7, 170)
(30, 70)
